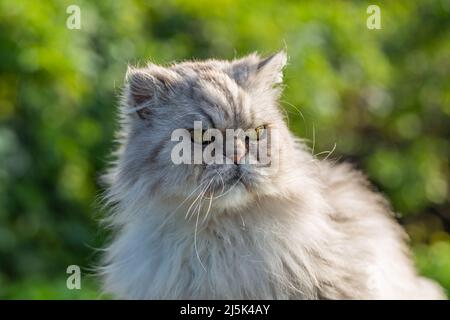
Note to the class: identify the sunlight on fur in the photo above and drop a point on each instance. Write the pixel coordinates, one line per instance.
(301, 228)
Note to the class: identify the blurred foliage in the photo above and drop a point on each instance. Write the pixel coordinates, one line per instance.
(380, 98)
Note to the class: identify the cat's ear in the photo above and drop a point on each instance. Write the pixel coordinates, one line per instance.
(146, 87)
(271, 68)
(253, 72)
(140, 91)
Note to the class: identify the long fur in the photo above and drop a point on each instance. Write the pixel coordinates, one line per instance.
(301, 229)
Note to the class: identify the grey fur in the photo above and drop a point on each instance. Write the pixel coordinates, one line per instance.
(300, 229)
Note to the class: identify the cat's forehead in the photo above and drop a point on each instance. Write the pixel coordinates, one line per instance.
(216, 96)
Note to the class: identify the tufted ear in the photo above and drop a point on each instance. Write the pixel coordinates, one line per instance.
(271, 68)
(146, 87)
(255, 73)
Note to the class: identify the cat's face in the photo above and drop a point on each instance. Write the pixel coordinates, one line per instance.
(224, 112)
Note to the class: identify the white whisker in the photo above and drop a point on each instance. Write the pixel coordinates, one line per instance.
(231, 188)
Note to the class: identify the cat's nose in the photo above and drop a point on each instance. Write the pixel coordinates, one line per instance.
(239, 150)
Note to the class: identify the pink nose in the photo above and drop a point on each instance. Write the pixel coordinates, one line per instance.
(239, 150)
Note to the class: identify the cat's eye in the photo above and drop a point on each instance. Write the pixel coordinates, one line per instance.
(201, 137)
(257, 133)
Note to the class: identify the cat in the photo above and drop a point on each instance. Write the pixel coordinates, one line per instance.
(298, 228)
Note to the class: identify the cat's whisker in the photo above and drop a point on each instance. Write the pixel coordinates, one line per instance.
(179, 206)
(314, 139)
(198, 196)
(296, 109)
(187, 216)
(221, 179)
(196, 222)
(231, 188)
(195, 241)
(328, 152)
(199, 203)
(223, 183)
(331, 151)
(198, 199)
(286, 115)
(209, 208)
(196, 188)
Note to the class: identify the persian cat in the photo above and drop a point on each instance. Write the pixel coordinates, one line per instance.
(296, 228)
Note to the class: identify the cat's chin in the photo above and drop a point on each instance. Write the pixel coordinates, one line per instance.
(233, 199)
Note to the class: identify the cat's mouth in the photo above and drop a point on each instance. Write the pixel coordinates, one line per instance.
(237, 179)
(233, 179)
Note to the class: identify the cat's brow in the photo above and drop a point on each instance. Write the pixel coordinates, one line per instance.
(204, 115)
(208, 117)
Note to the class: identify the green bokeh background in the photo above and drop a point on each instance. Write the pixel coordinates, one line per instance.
(379, 98)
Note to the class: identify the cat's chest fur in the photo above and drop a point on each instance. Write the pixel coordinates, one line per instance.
(250, 255)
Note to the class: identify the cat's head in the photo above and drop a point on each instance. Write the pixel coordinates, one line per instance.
(168, 113)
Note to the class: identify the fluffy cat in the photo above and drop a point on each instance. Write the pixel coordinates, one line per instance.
(300, 228)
